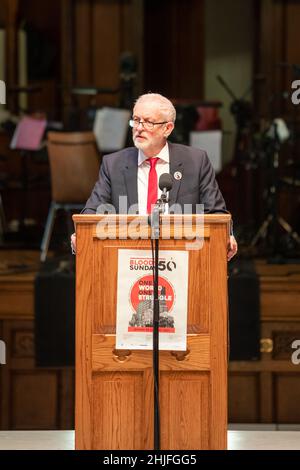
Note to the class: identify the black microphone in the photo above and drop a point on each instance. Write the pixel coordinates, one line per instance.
(165, 185)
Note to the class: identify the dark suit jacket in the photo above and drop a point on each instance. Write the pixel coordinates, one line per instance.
(118, 177)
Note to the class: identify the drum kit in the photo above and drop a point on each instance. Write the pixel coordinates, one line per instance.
(276, 233)
(266, 149)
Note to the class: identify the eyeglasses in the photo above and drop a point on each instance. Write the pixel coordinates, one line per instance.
(148, 125)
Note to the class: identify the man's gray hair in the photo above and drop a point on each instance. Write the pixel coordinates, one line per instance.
(167, 108)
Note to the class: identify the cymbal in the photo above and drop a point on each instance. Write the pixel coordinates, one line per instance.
(92, 91)
(291, 181)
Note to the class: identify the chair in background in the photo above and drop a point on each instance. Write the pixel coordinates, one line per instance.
(74, 164)
(2, 220)
(3, 182)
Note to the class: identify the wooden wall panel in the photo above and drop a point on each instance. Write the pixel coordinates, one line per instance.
(287, 393)
(133, 38)
(11, 8)
(265, 391)
(66, 56)
(292, 19)
(83, 42)
(102, 31)
(277, 49)
(34, 400)
(106, 24)
(174, 48)
(42, 18)
(3, 11)
(16, 299)
(243, 392)
(132, 33)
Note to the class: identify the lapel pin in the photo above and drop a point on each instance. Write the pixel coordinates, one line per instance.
(177, 175)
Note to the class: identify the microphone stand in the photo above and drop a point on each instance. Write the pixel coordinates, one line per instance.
(155, 221)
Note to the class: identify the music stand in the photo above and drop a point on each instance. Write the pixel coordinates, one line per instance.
(27, 138)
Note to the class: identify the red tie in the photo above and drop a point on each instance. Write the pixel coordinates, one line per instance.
(152, 184)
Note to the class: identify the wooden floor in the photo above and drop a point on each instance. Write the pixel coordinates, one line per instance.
(64, 440)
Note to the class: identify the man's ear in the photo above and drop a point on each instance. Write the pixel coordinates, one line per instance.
(169, 128)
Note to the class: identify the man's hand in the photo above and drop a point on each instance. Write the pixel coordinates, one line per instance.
(232, 247)
(73, 243)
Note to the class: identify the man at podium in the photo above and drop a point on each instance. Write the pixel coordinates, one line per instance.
(134, 172)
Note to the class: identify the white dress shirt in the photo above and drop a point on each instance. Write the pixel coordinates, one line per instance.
(162, 166)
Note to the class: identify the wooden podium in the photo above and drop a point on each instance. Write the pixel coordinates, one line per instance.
(114, 388)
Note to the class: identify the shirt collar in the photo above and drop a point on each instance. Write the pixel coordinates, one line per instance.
(163, 155)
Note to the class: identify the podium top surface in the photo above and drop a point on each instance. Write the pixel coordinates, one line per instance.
(186, 218)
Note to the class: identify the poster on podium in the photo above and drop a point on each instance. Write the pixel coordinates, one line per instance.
(135, 299)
